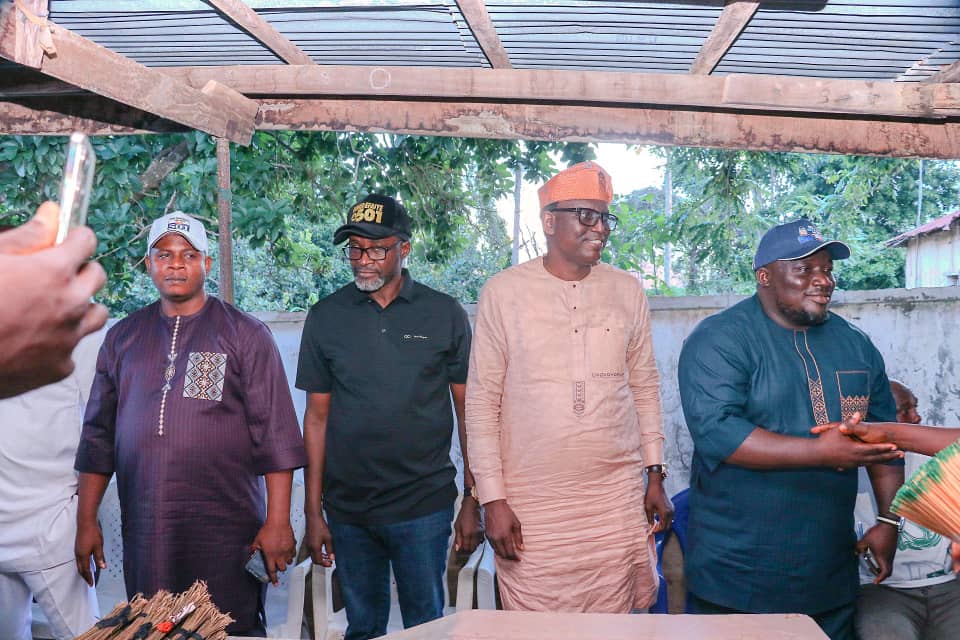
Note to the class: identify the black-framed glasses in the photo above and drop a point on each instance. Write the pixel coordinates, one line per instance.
(588, 217)
(374, 253)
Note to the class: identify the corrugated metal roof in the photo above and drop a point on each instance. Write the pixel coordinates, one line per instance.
(880, 40)
(394, 33)
(943, 223)
(609, 36)
(883, 39)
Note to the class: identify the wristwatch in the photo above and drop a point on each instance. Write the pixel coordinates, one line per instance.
(471, 492)
(893, 522)
(657, 468)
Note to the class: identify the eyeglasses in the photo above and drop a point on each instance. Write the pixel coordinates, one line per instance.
(589, 217)
(374, 253)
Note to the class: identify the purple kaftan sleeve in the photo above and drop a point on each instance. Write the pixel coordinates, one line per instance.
(271, 418)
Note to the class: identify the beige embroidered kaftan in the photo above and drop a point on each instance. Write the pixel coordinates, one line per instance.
(562, 414)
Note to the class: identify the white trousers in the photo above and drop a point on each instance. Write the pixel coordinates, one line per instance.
(69, 604)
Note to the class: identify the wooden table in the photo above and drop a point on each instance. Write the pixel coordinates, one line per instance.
(523, 625)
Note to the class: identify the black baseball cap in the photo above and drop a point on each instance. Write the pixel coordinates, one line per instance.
(793, 241)
(376, 216)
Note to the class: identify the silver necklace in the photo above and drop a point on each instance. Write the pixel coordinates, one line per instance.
(168, 373)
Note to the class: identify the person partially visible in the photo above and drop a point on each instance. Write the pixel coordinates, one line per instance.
(190, 408)
(771, 508)
(921, 599)
(384, 363)
(47, 304)
(564, 417)
(38, 504)
(922, 439)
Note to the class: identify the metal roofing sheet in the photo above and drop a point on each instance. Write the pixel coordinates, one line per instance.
(943, 223)
(612, 36)
(879, 39)
(180, 33)
(885, 39)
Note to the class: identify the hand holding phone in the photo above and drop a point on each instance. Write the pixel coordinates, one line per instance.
(257, 567)
(75, 186)
(868, 560)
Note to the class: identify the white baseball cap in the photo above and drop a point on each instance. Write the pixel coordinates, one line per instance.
(179, 222)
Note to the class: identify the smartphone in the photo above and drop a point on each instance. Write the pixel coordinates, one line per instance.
(257, 568)
(868, 560)
(75, 186)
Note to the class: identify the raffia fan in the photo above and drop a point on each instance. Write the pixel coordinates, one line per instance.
(931, 497)
(190, 615)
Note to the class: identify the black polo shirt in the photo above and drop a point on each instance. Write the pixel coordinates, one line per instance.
(389, 373)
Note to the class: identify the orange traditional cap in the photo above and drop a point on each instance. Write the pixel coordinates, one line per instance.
(583, 181)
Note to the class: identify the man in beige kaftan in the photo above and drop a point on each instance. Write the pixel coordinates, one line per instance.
(563, 416)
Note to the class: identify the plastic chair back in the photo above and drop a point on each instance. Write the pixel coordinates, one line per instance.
(111, 589)
(678, 530)
(284, 602)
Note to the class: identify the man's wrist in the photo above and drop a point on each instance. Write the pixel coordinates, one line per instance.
(891, 519)
(656, 471)
(277, 521)
(84, 520)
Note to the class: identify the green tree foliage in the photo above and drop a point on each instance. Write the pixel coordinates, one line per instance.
(289, 192)
(723, 202)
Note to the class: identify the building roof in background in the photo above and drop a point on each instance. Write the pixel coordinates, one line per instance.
(943, 223)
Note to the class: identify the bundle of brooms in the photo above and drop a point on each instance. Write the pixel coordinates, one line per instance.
(931, 497)
(190, 615)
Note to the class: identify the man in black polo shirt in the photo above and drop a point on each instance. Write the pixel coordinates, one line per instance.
(379, 360)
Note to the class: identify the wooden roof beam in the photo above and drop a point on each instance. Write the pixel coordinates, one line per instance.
(734, 18)
(90, 114)
(21, 32)
(216, 109)
(580, 123)
(576, 123)
(251, 22)
(24, 82)
(478, 19)
(732, 92)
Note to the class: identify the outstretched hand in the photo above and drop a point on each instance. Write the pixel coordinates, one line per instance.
(856, 428)
(841, 446)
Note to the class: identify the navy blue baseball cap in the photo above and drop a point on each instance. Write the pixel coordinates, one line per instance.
(795, 240)
(376, 216)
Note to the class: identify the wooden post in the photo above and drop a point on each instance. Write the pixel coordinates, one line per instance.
(224, 197)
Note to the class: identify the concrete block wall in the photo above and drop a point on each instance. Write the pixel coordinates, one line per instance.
(916, 330)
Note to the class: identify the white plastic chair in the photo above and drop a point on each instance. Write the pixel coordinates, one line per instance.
(111, 589)
(332, 625)
(284, 603)
(327, 623)
(486, 579)
(467, 579)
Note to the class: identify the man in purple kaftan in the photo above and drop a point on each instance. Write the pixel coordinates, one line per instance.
(189, 407)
